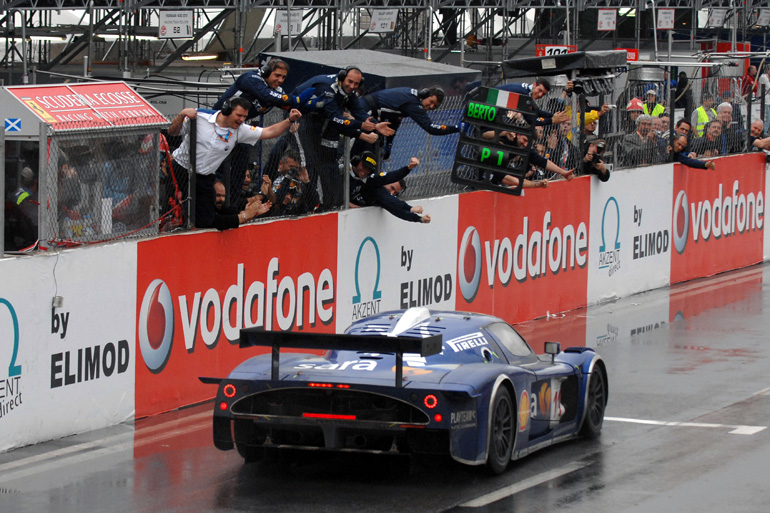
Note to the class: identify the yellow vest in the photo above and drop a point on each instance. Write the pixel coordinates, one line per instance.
(703, 119)
(657, 110)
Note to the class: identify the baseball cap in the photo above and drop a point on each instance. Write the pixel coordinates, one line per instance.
(652, 92)
(369, 161)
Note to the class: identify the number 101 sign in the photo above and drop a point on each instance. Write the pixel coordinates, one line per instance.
(551, 50)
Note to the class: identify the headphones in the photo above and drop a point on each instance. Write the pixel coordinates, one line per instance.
(269, 66)
(343, 74)
(233, 101)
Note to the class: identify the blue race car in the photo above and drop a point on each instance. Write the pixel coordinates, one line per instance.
(413, 381)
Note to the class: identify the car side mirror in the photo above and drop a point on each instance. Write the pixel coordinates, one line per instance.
(552, 348)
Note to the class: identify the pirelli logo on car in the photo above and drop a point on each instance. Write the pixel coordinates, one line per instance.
(467, 342)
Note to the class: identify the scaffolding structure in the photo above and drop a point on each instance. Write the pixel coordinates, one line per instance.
(117, 32)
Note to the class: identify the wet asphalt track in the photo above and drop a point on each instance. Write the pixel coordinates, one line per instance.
(686, 431)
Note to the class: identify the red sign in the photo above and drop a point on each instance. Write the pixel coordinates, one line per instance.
(718, 217)
(550, 50)
(632, 54)
(195, 292)
(522, 257)
(88, 105)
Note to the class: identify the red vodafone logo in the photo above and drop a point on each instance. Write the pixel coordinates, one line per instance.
(156, 325)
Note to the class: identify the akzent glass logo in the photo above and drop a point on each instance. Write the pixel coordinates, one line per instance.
(376, 293)
(609, 249)
(14, 369)
(156, 326)
(469, 264)
(681, 226)
(10, 387)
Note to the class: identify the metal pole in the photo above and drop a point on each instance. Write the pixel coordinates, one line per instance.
(462, 39)
(44, 189)
(192, 172)
(2, 192)
(89, 58)
(288, 23)
(428, 31)
(24, 75)
(566, 32)
(654, 29)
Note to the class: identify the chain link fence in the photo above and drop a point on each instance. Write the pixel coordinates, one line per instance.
(98, 185)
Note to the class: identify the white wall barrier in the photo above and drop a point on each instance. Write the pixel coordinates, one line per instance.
(140, 321)
(66, 369)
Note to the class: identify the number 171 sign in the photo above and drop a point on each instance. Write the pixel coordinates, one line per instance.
(175, 24)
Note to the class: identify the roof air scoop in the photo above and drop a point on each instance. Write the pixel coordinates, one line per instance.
(409, 320)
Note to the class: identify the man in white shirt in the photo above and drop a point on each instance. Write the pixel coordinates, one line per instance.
(217, 134)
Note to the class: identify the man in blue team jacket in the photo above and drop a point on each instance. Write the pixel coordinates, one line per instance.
(399, 102)
(325, 100)
(367, 187)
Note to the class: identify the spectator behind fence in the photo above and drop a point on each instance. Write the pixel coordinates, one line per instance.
(710, 144)
(593, 163)
(21, 223)
(368, 188)
(69, 186)
(757, 139)
(733, 137)
(763, 87)
(749, 83)
(256, 187)
(683, 94)
(217, 134)
(329, 96)
(651, 107)
(703, 114)
(294, 193)
(535, 159)
(221, 202)
(641, 147)
(393, 105)
(634, 109)
(560, 149)
(682, 156)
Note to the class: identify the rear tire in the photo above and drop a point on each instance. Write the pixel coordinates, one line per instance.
(246, 433)
(595, 404)
(501, 432)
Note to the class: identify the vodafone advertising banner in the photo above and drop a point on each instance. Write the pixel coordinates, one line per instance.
(718, 217)
(631, 236)
(195, 293)
(522, 257)
(90, 104)
(386, 263)
(70, 368)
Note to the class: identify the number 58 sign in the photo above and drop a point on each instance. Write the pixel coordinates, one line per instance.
(175, 24)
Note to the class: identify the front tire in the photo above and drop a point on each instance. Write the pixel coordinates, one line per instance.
(501, 432)
(595, 404)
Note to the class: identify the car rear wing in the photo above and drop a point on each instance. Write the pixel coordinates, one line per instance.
(330, 341)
